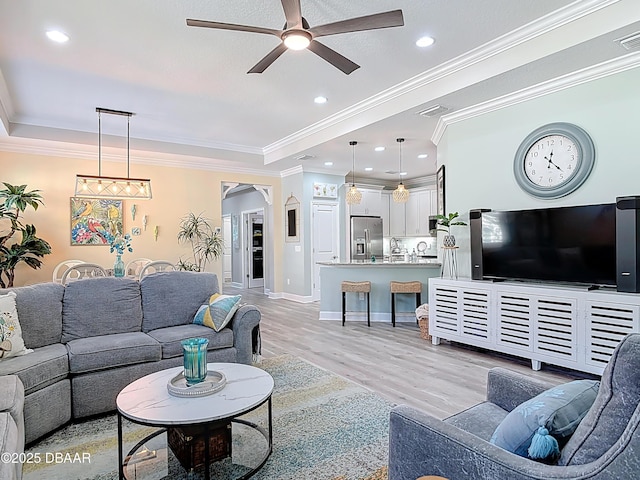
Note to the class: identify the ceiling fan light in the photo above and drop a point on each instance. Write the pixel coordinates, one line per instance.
(296, 39)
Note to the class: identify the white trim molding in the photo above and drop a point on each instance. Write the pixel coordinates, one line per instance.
(589, 74)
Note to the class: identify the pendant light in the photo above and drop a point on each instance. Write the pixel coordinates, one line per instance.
(400, 194)
(354, 196)
(112, 187)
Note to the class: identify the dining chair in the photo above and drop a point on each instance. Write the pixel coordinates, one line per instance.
(157, 266)
(82, 271)
(63, 267)
(134, 267)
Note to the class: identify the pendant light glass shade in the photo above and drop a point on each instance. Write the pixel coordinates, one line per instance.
(400, 194)
(354, 196)
(98, 186)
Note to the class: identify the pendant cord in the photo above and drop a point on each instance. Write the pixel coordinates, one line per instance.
(99, 144)
(128, 137)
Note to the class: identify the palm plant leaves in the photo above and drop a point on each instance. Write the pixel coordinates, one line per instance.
(206, 244)
(14, 200)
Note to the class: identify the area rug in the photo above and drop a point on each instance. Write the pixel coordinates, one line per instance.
(324, 427)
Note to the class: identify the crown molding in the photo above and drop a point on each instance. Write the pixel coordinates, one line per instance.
(523, 34)
(579, 77)
(85, 152)
(291, 171)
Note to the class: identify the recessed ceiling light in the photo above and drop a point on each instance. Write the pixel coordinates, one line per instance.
(57, 36)
(403, 174)
(328, 164)
(423, 155)
(320, 99)
(379, 149)
(368, 169)
(425, 42)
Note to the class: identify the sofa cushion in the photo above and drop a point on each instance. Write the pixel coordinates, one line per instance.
(100, 306)
(170, 338)
(43, 367)
(173, 298)
(40, 313)
(481, 420)
(218, 312)
(11, 342)
(108, 351)
(617, 404)
(559, 410)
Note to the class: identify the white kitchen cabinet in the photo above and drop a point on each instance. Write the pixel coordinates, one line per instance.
(371, 203)
(418, 209)
(434, 202)
(397, 212)
(386, 199)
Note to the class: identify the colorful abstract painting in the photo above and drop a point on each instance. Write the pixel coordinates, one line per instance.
(92, 218)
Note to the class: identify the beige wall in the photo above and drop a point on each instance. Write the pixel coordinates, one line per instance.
(176, 192)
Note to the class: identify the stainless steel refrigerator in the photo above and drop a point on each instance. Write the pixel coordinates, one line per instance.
(366, 238)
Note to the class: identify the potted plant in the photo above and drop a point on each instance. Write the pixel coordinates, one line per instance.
(206, 244)
(446, 222)
(14, 200)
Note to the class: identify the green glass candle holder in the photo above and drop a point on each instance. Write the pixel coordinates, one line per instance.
(195, 359)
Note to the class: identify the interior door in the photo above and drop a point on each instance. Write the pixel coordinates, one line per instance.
(256, 250)
(325, 239)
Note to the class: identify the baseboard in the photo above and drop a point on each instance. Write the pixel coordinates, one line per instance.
(234, 285)
(375, 317)
(291, 296)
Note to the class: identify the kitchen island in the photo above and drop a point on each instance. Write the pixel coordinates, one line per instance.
(380, 274)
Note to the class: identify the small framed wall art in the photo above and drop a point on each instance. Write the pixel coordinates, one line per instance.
(292, 220)
(325, 190)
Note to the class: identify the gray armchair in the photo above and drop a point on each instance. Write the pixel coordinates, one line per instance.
(606, 444)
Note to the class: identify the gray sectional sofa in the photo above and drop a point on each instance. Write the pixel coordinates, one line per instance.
(93, 337)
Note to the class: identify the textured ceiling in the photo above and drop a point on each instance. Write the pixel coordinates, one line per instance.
(191, 95)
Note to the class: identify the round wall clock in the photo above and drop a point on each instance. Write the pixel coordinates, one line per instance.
(554, 160)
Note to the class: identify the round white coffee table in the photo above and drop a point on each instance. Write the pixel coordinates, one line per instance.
(147, 401)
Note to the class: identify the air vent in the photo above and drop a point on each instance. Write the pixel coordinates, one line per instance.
(304, 156)
(433, 111)
(630, 42)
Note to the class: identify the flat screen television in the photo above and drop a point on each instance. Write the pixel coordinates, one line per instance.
(565, 244)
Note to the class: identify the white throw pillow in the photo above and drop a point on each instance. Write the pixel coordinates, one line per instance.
(11, 342)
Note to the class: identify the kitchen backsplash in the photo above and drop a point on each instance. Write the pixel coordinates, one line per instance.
(407, 244)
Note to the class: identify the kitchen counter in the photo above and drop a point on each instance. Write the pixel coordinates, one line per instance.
(432, 262)
(380, 274)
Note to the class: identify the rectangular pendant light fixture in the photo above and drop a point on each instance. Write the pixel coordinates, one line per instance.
(112, 187)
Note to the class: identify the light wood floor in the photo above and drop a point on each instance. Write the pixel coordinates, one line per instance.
(394, 362)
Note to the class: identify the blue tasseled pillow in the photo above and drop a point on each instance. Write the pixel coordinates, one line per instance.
(538, 427)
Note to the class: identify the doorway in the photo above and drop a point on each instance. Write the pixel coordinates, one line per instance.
(326, 239)
(254, 266)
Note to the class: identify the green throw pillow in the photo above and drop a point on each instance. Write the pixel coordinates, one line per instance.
(218, 312)
(539, 427)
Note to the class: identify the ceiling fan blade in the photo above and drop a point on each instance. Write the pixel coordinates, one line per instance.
(271, 57)
(333, 57)
(292, 13)
(233, 26)
(392, 18)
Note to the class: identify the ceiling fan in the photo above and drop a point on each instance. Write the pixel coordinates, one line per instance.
(297, 35)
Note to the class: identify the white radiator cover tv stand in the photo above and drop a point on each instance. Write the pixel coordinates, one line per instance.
(567, 326)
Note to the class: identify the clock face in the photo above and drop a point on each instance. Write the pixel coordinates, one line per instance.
(554, 160)
(551, 161)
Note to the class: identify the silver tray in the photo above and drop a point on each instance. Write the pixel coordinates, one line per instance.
(213, 382)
